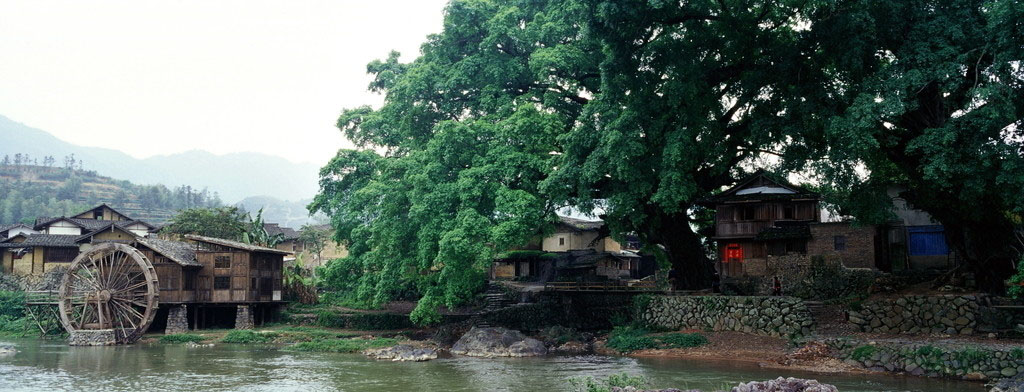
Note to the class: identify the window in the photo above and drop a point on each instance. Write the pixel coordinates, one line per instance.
(561, 241)
(747, 213)
(222, 262)
(222, 283)
(190, 280)
(839, 242)
(98, 215)
(252, 284)
(788, 212)
(59, 255)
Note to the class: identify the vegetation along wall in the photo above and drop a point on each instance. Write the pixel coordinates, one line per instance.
(973, 363)
(771, 316)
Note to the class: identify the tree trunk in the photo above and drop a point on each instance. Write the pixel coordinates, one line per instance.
(692, 268)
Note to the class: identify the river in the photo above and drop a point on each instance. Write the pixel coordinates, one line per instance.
(53, 366)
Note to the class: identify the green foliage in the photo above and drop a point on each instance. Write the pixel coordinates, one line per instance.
(626, 339)
(362, 321)
(517, 108)
(682, 340)
(590, 384)
(28, 192)
(929, 351)
(1016, 289)
(863, 352)
(220, 222)
(256, 233)
(971, 355)
(12, 304)
(1017, 353)
(927, 97)
(343, 345)
(182, 338)
(248, 337)
(313, 239)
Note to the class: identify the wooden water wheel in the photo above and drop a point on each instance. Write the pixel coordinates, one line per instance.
(110, 287)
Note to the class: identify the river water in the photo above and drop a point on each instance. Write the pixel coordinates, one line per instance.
(53, 366)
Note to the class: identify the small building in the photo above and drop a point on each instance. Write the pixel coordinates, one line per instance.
(289, 237)
(914, 240)
(577, 249)
(8, 231)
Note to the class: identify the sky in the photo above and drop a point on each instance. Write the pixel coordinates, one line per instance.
(160, 77)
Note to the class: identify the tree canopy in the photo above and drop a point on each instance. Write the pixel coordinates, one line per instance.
(219, 222)
(639, 109)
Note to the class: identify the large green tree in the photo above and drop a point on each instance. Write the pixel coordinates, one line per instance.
(689, 92)
(220, 222)
(926, 96)
(466, 135)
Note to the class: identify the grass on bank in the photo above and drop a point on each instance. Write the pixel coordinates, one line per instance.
(626, 339)
(343, 345)
(244, 336)
(181, 338)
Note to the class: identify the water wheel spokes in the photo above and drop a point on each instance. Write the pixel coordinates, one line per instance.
(112, 286)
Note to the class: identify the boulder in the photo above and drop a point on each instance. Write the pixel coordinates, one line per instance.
(785, 385)
(7, 350)
(402, 353)
(572, 348)
(1015, 384)
(497, 342)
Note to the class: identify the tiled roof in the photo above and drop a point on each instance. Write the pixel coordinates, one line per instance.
(288, 232)
(4, 228)
(90, 224)
(45, 240)
(182, 253)
(581, 224)
(235, 244)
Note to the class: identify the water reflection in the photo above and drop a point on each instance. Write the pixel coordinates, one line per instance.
(51, 366)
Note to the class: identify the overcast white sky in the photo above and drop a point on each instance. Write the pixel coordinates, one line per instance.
(160, 77)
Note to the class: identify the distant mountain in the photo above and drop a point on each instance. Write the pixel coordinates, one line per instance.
(234, 176)
(286, 213)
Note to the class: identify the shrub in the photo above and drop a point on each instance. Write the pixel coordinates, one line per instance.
(181, 338)
(590, 384)
(863, 352)
(363, 321)
(1017, 353)
(683, 340)
(343, 345)
(248, 337)
(626, 339)
(12, 304)
(1016, 289)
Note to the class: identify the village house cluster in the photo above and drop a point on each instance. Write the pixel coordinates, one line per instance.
(765, 228)
(203, 281)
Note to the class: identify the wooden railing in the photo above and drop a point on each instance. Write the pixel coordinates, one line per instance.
(43, 297)
(636, 285)
(740, 229)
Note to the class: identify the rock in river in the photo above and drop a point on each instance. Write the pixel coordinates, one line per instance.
(402, 353)
(497, 342)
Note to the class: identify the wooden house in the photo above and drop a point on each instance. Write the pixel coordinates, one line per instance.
(577, 249)
(198, 278)
(759, 217)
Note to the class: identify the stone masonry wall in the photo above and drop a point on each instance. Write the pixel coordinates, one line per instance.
(948, 314)
(959, 361)
(99, 337)
(244, 317)
(771, 316)
(177, 320)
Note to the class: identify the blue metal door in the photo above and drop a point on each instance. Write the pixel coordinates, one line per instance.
(927, 241)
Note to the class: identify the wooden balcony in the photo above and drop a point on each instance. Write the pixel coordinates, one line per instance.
(740, 229)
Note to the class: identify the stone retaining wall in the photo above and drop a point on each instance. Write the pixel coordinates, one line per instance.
(948, 314)
(92, 337)
(964, 362)
(771, 316)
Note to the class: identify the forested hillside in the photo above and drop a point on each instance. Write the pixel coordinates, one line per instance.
(29, 190)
